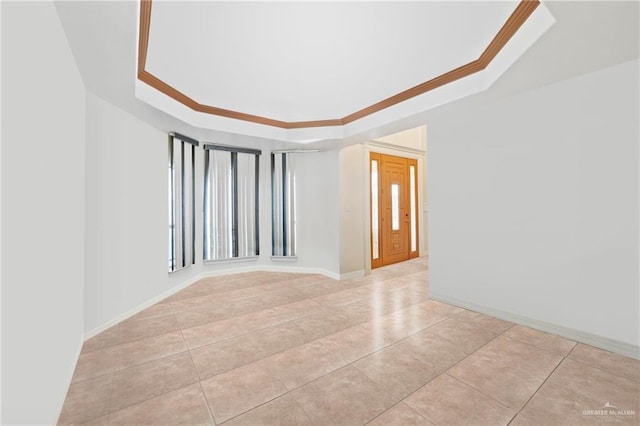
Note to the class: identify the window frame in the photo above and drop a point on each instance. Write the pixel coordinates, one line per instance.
(283, 207)
(179, 258)
(234, 151)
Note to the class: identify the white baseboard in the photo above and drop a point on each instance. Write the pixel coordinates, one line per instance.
(131, 312)
(66, 388)
(351, 275)
(602, 342)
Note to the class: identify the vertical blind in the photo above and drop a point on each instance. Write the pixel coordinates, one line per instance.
(181, 201)
(230, 202)
(283, 190)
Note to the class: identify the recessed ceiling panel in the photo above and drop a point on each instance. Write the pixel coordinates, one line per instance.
(304, 71)
(301, 61)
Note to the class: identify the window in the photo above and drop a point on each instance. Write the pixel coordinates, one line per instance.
(375, 226)
(395, 207)
(230, 203)
(412, 190)
(181, 201)
(283, 211)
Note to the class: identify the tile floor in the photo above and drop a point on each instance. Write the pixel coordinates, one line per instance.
(291, 349)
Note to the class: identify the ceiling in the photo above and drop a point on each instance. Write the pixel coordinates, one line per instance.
(313, 61)
(284, 80)
(309, 65)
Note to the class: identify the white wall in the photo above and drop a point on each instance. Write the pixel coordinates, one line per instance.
(533, 205)
(126, 204)
(353, 211)
(43, 213)
(318, 211)
(414, 138)
(126, 224)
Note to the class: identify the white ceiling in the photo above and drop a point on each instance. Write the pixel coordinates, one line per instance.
(587, 36)
(305, 61)
(313, 61)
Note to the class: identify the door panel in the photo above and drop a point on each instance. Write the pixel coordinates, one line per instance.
(395, 210)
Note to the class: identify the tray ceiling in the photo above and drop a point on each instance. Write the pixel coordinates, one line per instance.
(313, 65)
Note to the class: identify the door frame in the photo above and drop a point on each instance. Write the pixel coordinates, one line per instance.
(416, 160)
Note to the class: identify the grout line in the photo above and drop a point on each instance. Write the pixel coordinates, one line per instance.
(601, 369)
(113, 385)
(160, 394)
(395, 405)
(537, 390)
(298, 318)
(288, 392)
(204, 395)
(349, 363)
(531, 344)
(449, 368)
(188, 348)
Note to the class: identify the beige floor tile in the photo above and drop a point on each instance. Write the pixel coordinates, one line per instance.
(284, 331)
(86, 400)
(184, 406)
(204, 301)
(282, 297)
(163, 308)
(220, 357)
(399, 415)
(597, 384)
(443, 308)
(240, 390)
(532, 360)
(490, 323)
(343, 397)
(400, 324)
(99, 421)
(311, 291)
(447, 401)
(540, 339)
(355, 342)
(339, 298)
(95, 363)
(506, 370)
(278, 338)
(300, 365)
(281, 411)
(446, 342)
(246, 305)
(404, 297)
(131, 330)
(144, 350)
(357, 312)
(614, 363)
(212, 332)
(554, 405)
(154, 378)
(299, 309)
(193, 318)
(323, 323)
(264, 318)
(396, 370)
(109, 337)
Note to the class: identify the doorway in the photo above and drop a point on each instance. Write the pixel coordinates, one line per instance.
(394, 209)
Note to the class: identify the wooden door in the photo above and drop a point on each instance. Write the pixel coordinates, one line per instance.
(394, 226)
(395, 211)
